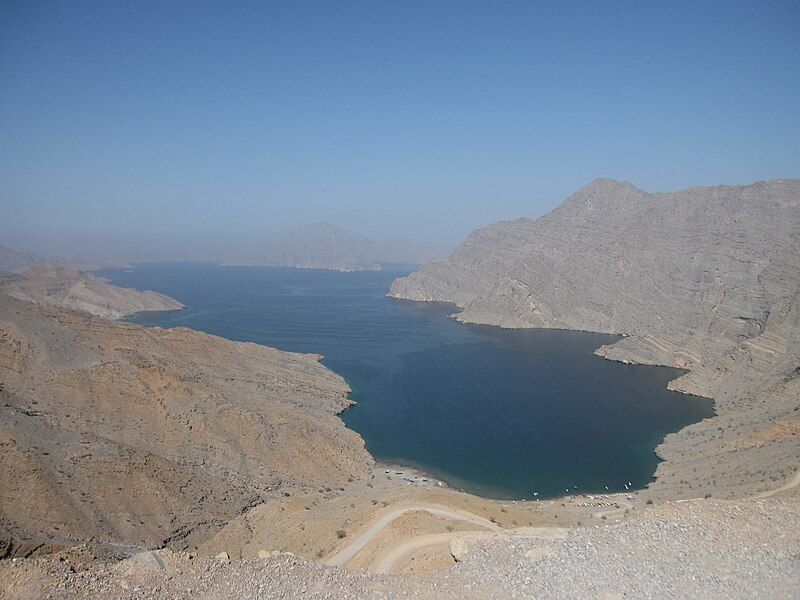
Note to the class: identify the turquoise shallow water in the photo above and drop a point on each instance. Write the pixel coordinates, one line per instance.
(501, 413)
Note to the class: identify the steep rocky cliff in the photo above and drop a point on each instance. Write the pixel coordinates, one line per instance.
(57, 286)
(118, 434)
(706, 279)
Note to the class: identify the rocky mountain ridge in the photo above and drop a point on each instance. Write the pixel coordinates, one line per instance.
(123, 435)
(704, 279)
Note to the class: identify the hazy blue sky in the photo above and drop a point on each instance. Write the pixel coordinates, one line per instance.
(422, 119)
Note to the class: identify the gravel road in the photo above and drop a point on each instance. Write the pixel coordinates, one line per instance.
(693, 549)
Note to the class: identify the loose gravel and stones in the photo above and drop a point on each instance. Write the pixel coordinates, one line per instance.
(694, 549)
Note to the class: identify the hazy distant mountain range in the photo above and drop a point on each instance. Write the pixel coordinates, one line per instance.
(313, 246)
(14, 261)
(322, 246)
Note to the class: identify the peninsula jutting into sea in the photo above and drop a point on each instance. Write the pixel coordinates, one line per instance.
(171, 449)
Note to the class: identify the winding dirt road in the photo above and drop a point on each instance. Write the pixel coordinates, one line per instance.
(389, 559)
(792, 483)
(346, 554)
(387, 562)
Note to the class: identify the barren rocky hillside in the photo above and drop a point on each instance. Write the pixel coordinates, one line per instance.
(56, 286)
(118, 434)
(706, 279)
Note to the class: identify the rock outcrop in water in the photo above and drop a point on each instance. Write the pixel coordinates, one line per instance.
(118, 434)
(706, 279)
(56, 286)
(322, 246)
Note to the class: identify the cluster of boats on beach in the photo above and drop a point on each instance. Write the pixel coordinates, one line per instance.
(415, 478)
(604, 497)
(628, 487)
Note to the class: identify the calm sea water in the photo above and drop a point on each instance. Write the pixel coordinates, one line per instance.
(501, 413)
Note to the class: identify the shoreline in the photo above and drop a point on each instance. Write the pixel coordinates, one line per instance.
(398, 473)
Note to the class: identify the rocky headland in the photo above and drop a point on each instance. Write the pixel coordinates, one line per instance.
(123, 436)
(56, 286)
(705, 279)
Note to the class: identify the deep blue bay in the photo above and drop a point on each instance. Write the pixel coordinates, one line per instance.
(500, 413)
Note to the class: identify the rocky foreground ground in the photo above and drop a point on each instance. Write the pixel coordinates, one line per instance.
(692, 549)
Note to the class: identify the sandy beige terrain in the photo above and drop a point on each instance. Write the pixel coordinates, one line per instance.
(319, 523)
(56, 286)
(117, 434)
(691, 549)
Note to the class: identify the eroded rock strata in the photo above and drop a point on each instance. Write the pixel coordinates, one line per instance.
(118, 434)
(706, 279)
